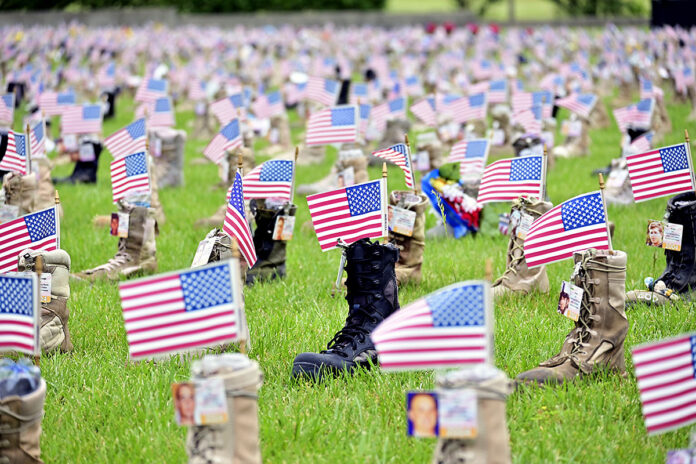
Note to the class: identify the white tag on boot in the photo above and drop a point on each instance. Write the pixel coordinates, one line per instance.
(498, 137)
(616, 178)
(45, 287)
(87, 152)
(346, 178)
(401, 220)
(205, 248)
(570, 300)
(673, 236)
(457, 412)
(524, 225)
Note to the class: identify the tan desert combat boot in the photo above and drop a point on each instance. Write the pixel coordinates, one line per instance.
(21, 191)
(408, 267)
(236, 441)
(492, 442)
(359, 165)
(20, 427)
(597, 341)
(136, 253)
(54, 332)
(518, 278)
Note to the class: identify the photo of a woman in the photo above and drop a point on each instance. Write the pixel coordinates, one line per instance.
(184, 403)
(655, 233)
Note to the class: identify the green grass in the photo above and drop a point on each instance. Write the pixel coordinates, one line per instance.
(101, 408)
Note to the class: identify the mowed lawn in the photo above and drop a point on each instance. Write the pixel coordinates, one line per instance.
(101, 408)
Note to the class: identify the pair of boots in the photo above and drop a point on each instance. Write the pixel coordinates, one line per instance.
(678, 281)
(169, 161)
(271, 254)
(136, 253)
(53, 333)
(237, 440)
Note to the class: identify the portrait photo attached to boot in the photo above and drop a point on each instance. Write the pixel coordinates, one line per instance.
(655, 233)
(184, 403)
(421, 414)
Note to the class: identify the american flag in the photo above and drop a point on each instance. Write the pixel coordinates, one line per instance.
(575, 225)
(236, 225)
(470, 108)
(399, 155)
(648, 90)
(151, 89)
(497, 91)
(181, 310)
(129, 175)
(19, 314)
(196, 91)
(269, 105)
(661, 172)
(82, 119)
(53, 103)
(666, 376)
(7, 108)
(333, 125)
(507, 179)
(425, 111)
(364, 109)
(471, 154)
(525, 100)
(16, 154)
(162, 114)
(448, 328)
(228, 138)
(531, 119)
(37, 139)
(393, 109)
(350, 213)
(642, 143)
(358, 93)
(579, 103)
(623, 117)
(642, 113)
(324, 91)
(38, 231)
(413, 86)
(106, 77)
(229, 108)
(128, 140)
(272, 179)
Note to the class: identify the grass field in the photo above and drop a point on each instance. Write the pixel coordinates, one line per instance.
(102, 409)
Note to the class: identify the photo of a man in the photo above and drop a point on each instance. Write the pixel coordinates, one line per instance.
(184, 403)
(114, 224)
(422, 414)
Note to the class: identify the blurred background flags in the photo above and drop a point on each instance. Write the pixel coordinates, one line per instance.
(531, 119)
(19, 314)
(151, 89)
(178, 311)
(271, 179)
(579, 103)
(393, 109)
(575, 225)
(451, 327)
(38, 231)
(333, 125)
(364, 110)
(37, 139)
(268, 105)
(129, 175)
(229, 108)
(642, 143)
(350, 213)
(236, 224)
(470, 108)
(324, 91)
(661, 172)
(666, 376)
(53, 103)
(228, 138)
(359, 93)
(507, 179)
(498, 91)
(7, 103)
(16, 154)
(425, 111)
(82, 119)
(128, 140)
(471, 154)
(399, 155)
(162, 113)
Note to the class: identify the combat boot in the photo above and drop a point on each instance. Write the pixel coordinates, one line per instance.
(155, 203)
(222, 250)
(618, 189)
(21, 191)
(281, 127)
(54, 332)
(270, 254)
(360, 175)
(311, 154)
(20, 427)
(372, 297)
(518, 278)
(678, 281)
(597, 341)
(84, 172)
(411, 248)
(46, 192)
(394, 132)
(237, 440)
(168, 149)
(491, 445)
(136, 253)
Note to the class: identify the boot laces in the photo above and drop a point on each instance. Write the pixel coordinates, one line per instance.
(353, 331)
(518, 243)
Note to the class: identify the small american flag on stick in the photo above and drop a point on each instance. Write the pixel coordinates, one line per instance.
(38, 231)
(182, 310)
(37, 139)
(129, 175)
(471, 154)
(507, 179)
(53, 103)
(333, 125)
(448, 328)
(19, 314)
(400, 155)
(272, 179)
(661, 172)
(82, 119)
(228, 108)
(350, 213)
(229, 138)
(7, 102)
(575, 225)
(666, 375)
(16, 154)
(162, 114)
(324, 91)
(130, 139)
(151, 89)
(236, 224)
(425, 111)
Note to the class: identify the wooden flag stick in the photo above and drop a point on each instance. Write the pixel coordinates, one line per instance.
(27, 145)
(240, 163)
(489, 269)
(384, 176)
(544, 165)
(234, 249)
(294, 167)
(57, 213)
(688, 158)
(606, 213)
(38, 268)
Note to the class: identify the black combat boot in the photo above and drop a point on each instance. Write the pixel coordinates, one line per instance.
(85, 172)
(270, 254)
(679, 279)
(372, 297)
